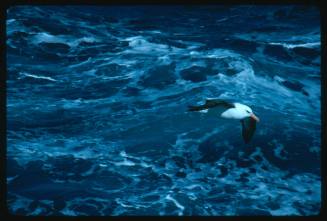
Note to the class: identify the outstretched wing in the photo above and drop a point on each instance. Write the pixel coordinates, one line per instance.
(248, 128)
(211, 103)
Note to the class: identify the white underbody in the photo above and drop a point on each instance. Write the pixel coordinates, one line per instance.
(231, 114)
(237, 113)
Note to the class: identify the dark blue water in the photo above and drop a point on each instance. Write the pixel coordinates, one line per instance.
(97, 110)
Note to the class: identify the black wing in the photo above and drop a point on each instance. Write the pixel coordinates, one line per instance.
(212, 103)
(248, 128)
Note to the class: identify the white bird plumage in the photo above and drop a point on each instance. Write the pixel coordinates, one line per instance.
(228, 110)
(239, 112)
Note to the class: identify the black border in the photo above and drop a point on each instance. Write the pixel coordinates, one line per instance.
(4, 213)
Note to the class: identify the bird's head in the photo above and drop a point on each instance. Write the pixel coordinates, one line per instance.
(247, 112)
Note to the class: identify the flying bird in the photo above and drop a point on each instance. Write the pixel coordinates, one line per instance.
(230, 110)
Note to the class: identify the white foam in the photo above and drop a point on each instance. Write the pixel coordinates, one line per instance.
(278, 150)
(20, 202)
(86, 39)
(178, 205)
(291, 46)
(48, 38)
(140, 45)
(68, 212)
(37, 211)
(191, 187)
(44, 37)
(37, 76)
(9, 179)
(278, 79)
(10, 21)
(80, 64)
(125, 162)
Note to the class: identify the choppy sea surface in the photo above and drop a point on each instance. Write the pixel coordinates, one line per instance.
(97, 120)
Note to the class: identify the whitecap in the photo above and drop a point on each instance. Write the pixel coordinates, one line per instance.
(291, 46)
(37, 76)
(125, 162)
(44, 37)
(141, 45)
(84, 39)
(48, 38)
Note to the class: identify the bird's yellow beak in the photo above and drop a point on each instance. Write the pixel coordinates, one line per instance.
(255, 117)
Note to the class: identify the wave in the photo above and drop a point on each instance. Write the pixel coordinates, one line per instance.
(299, 45)
(37, 76)
(71, 41)
(107, 110)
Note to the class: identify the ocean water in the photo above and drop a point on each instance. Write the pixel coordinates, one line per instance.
(97, 120)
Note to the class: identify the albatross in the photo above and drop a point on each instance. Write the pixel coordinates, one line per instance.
(231, 110)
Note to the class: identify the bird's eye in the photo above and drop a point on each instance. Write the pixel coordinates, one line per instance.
(247, 111)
